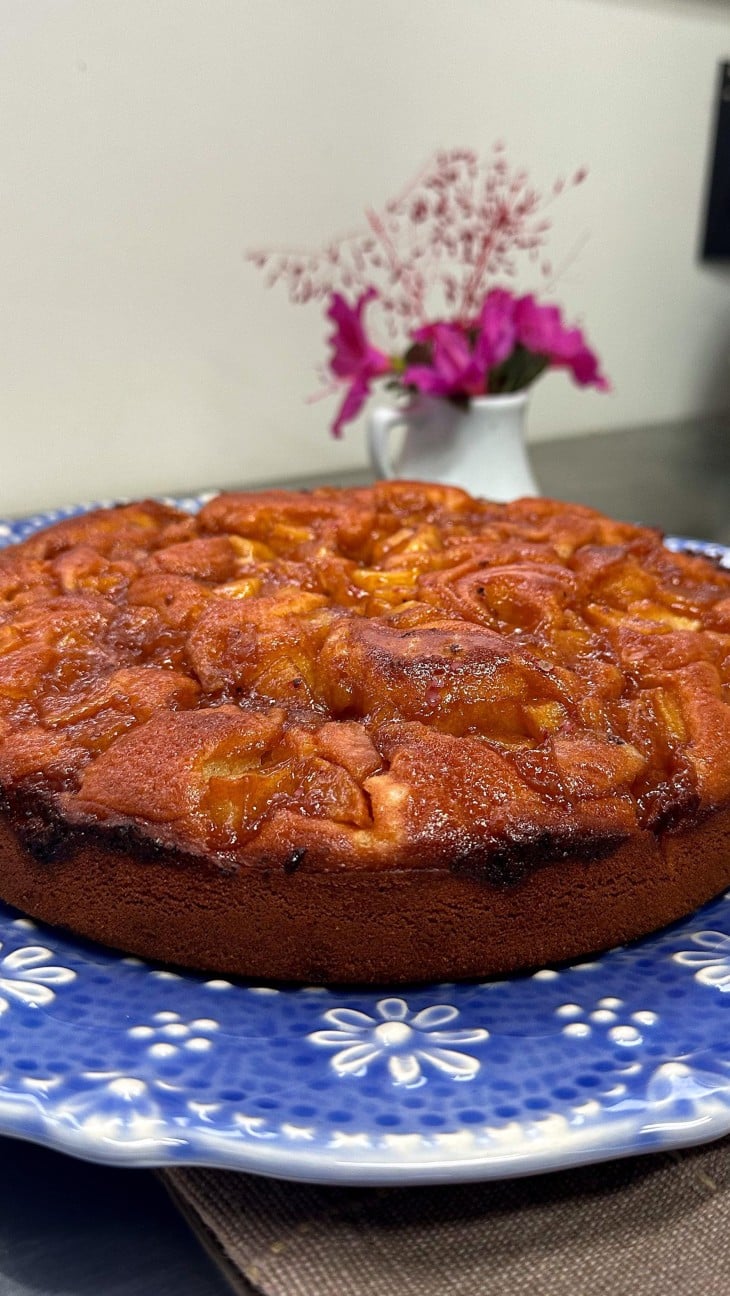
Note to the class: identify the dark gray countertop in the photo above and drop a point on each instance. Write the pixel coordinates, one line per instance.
(676, 477)
(72, 1229)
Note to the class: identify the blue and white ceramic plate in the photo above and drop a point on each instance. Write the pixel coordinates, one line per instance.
(119, 1061)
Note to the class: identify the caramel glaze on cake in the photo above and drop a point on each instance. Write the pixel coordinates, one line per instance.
(385, 734)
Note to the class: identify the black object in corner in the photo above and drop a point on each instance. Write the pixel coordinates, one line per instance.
(717, 228)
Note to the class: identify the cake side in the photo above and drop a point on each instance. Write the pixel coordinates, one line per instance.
(392, 927)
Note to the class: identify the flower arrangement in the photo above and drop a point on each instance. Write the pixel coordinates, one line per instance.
(423, 267)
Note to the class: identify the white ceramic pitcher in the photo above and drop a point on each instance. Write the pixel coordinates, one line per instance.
(480, 447)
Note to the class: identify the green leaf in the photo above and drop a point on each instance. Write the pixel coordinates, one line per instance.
(518, 371)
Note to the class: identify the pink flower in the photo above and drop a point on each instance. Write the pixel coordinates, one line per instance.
(540, 329)
(353, 357)
(454, 370)
(497, 336)
(503, 350)
(355, 397)
(463, 354)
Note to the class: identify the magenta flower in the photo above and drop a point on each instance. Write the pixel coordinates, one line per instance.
(461, 355)
(454, 367)
(353, 357)
(540, 329)
(505, 349)
(497, 336)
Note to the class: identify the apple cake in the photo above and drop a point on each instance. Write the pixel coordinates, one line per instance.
(369, 735)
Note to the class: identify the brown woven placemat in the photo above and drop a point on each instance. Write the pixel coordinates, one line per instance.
(645, 1226)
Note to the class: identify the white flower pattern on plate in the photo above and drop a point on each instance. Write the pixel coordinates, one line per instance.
(26, 977)
(405, 1039)
(711, 959)
(622, 1028)
(114, 1108)
(169, 1033)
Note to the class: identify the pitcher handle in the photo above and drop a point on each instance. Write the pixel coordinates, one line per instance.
(379, 426)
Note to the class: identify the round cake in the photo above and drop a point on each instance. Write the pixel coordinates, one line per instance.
(385, 734)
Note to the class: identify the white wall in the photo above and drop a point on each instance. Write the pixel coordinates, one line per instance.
(146, 144)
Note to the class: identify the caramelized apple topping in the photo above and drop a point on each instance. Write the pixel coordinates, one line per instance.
(364, 672)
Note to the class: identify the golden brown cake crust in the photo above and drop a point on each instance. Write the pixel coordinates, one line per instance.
(383, 734)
